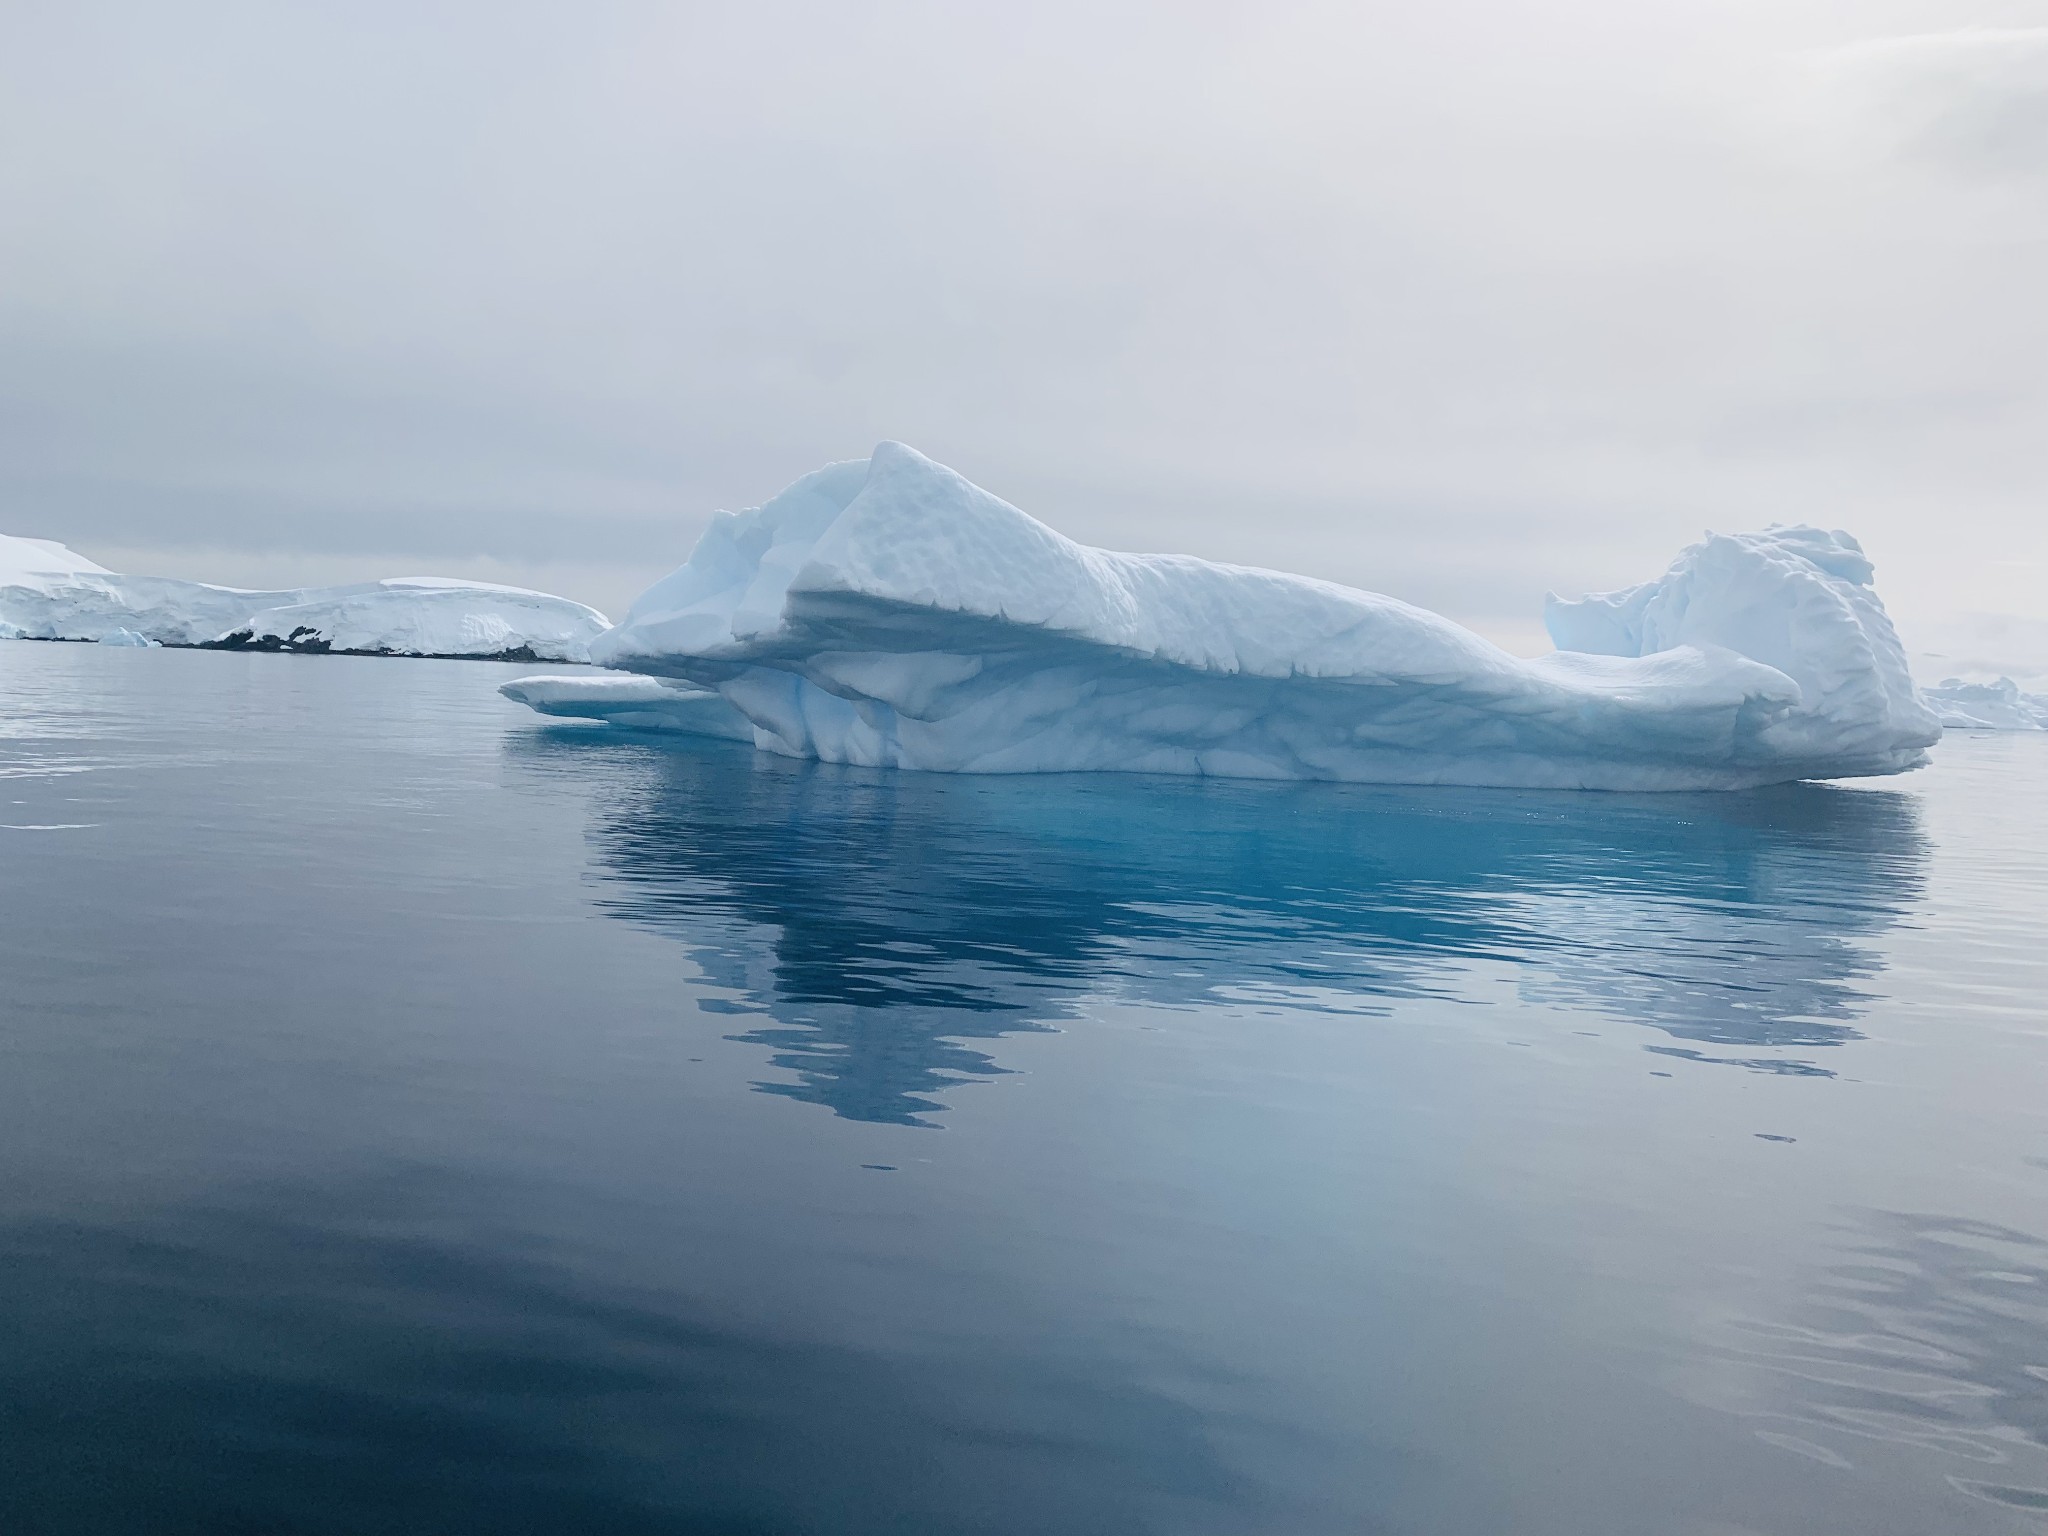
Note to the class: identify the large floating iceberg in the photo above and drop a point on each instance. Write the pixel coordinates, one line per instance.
(48, 592)
(887, 612)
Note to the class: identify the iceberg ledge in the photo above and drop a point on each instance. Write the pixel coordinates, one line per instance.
(637, 703)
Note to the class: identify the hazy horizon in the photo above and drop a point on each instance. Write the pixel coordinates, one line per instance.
(1458, 303)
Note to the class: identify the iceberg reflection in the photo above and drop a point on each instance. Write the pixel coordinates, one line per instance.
(876, 925)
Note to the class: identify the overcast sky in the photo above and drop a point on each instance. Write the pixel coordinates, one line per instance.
(1454, 299)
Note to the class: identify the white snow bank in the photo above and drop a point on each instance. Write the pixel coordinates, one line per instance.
(48, 592)
(127, 637)
(641, 703)
(1999, 706)
(886, 612)
(23, 561)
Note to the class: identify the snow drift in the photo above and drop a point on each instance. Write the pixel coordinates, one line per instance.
(887, 612)
(48, 592)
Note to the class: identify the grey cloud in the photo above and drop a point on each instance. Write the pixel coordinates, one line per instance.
(1460, 302)
(1975, 98)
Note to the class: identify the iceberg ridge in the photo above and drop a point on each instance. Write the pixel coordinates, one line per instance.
(887, 612)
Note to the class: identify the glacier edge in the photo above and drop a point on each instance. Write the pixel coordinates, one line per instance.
(49, 592)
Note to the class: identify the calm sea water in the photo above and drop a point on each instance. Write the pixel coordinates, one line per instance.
(415, 1118)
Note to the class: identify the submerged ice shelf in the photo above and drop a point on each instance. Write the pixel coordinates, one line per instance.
(48, 592)
(886, 612)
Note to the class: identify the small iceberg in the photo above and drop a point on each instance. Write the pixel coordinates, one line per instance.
(1994, 706)
(886, 612)
(48, 592)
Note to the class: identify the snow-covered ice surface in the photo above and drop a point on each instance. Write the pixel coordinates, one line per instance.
(48, 592)
(1993, 706)
(887, 612)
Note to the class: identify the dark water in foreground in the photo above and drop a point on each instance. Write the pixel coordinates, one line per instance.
(416, 1119)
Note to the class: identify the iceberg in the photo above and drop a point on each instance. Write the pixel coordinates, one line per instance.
(48, 592)
(886, 612)
(1993, 706)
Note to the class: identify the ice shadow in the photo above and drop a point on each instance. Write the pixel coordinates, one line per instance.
(875, 925)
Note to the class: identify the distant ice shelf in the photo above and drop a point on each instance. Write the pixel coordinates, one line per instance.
(886, 612)
(48, 592)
